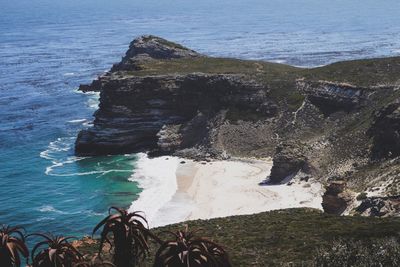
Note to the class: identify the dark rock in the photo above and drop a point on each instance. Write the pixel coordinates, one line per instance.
(165, 112)
(385, 131)
(333, 204)
(305, 178)
(332, 97)
(379, 206)
(335, 200)
(288, 160)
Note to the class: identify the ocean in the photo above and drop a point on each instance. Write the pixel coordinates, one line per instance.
(49, 47)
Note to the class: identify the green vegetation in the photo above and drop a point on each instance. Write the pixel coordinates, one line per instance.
(281, 238)
(367, 72)
(126, 236)
(187, 250)
(381, 252)
(292, 237)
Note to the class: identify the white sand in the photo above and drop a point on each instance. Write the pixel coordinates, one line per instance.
(224, 188)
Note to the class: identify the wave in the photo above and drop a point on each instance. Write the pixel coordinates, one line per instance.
(157, 178)
(57, 153)
(93, 101)
(78, 121)
(85, 173)
(49, 208)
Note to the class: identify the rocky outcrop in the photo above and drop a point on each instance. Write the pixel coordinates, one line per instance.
(149, 47)
(385, 131)
(288, 160)
(379, 206)
(336, 200)
(331, 97)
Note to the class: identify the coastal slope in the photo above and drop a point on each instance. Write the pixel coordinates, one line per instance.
(338, 124)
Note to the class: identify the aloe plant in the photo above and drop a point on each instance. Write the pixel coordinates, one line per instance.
(12, 245)
(130, 233)
(187, 250)
(56, 251)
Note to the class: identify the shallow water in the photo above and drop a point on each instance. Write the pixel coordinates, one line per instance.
(47, 48)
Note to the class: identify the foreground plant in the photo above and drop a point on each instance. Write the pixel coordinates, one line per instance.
(130, 233)
(56, 251)
(12, 244)
(187, 250)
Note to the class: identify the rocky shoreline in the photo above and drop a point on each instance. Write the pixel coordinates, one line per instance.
(338, 123)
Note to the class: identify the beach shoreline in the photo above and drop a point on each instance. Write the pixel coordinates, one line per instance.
(205, 190)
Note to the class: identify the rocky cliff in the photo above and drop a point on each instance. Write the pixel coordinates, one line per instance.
(334, 123)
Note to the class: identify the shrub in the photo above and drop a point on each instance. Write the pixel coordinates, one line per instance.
(58, 252)
(130, 233)
(383, 252)
(12, 244)
(187, 250)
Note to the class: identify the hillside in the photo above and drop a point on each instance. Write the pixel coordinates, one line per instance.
(283, 237)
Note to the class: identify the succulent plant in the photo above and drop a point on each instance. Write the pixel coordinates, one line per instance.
(12, 245)
(130, 233)
(56, 251)
(187, 250)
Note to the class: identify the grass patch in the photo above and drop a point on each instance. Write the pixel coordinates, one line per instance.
(367, 72)
(280, 237)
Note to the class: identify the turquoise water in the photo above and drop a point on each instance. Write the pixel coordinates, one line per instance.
(48, 48)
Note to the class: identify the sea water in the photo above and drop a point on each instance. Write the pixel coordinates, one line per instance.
(49, 47)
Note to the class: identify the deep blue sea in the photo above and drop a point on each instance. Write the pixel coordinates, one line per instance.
(49, 47)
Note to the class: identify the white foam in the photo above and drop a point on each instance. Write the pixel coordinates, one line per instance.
(56, 151)
(101, 173)
(93, 101)
(157, 178)
(77, 121)
(49, 208)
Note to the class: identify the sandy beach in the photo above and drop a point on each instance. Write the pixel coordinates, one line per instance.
(224, 188)
(205, 190)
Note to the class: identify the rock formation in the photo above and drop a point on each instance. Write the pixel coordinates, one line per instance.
(288, 160)
(337, 122)
(336, 198)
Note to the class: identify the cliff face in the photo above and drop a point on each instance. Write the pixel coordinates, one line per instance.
(136, 112)
(338, 122)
